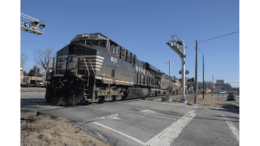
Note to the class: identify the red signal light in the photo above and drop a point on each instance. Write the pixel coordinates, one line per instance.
(42, 26)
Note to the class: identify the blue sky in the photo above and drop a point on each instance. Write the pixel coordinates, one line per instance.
(144, 27)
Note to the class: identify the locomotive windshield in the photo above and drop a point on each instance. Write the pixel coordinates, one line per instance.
(62, 62)
(73, 62)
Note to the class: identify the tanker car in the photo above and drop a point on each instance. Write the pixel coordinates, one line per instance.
(93, 68)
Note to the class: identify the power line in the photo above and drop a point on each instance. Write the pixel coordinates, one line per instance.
(219, 36)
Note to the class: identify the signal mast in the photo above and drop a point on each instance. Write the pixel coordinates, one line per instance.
(178, 46)
(32, 25)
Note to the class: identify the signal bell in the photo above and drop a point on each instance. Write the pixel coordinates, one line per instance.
(34, 23)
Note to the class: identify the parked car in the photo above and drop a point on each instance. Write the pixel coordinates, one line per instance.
(231, 96)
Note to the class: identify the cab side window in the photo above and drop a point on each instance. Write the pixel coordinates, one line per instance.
(117, 51)
(122, 53)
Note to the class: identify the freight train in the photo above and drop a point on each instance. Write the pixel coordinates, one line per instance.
(93, 68)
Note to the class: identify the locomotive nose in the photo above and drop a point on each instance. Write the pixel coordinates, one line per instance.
(56, 89)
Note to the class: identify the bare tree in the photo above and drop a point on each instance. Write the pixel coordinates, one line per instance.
(23, 60)
(33, 72)
(43, 57)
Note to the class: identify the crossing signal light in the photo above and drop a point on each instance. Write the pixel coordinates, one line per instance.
(26, 24)
(42, 26)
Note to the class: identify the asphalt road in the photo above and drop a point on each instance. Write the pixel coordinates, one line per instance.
(143, 122)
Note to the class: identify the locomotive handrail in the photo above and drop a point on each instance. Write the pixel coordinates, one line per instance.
(92, 67)
(87, 68)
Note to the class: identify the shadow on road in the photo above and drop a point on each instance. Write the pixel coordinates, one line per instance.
(229, 108)
(235, 118)
(33, 101)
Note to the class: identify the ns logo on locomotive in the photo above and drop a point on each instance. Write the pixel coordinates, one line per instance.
(93, 68)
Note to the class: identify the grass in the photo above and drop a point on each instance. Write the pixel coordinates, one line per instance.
(44, 129)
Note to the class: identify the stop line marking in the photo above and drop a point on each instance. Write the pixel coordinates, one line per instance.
(233, 128)
(165, 137)
(168, 135)
(155, 114)
(137, 140)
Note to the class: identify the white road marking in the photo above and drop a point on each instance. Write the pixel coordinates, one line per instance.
(115, 116)
(136, 140)
(153, 113)
(172, 103)
(99, 135)
(168, 135)
(233, 128)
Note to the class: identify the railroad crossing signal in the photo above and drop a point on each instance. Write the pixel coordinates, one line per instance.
(186, 72)
(35, 27)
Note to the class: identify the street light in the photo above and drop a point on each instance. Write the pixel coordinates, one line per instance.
(179, 47)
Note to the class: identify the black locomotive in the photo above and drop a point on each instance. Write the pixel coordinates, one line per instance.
(93, 68)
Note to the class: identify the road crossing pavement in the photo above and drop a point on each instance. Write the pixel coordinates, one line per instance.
(143, 122)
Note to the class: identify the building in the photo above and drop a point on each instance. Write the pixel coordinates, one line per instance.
(32, 80)
(219, 86)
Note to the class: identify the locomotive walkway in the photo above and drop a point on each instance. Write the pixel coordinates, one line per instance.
(143, 122)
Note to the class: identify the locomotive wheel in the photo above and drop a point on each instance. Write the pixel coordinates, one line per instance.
(101, 99)
(47, 97)
(118, 97)
(113, 98)
(125, 95)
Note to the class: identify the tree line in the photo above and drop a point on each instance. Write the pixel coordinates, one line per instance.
(42, 58)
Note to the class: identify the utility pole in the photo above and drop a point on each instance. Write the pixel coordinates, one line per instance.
(170, 73)
(203, 78)
(196, 74)
(170, 89)
(36, 76)
(212, 84)
(183, 74)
